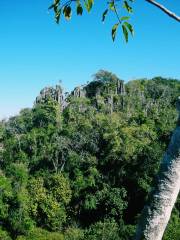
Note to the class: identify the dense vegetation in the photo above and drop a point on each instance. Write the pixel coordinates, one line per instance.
(84, 173)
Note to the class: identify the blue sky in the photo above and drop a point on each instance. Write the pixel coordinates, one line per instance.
(35, 52)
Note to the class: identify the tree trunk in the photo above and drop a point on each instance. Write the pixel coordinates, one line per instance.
(157, 212)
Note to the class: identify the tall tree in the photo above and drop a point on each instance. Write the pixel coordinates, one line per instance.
(157, 213)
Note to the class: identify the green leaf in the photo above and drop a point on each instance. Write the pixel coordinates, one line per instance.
(114, 31)
(124, 18)
(125, 32)
(91, 2)
(130, 27)
(57, 11)
(52, 6)
(111, 6)
(127, 7)
(104, 15)
(67, 12)
(58, 14)
(79, 9)
(88, 4)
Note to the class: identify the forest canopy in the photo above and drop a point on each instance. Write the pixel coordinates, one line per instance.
(81, 166)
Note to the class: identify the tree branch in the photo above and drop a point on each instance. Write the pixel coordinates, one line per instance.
(165, 10)
(116, 12)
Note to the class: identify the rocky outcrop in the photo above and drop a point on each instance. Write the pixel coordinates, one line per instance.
(120, 87)
(55, 94)
(79, 92)
(105, 89)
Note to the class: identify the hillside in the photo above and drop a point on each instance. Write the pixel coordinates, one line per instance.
(80, 165)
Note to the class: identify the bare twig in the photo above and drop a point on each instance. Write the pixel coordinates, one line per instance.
(165, 10)
(116, 12)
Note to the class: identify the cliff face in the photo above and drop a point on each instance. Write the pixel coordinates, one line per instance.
(55, 94)
(79, 92)
(97, 88)
(100, 88)
(105, 85)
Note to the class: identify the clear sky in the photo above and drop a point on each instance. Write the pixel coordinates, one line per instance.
(35, 52)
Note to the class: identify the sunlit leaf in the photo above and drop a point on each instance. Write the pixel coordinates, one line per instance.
(127, 7)
(114, 31)
(125, 32)
(130, 27)
(79, 9)
(104, 15)
(124, 18)
(67, 12)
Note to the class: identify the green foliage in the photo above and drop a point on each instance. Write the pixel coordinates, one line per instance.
(5, 196)
(60, 188)
(172, 232)
(103, 230)
(44, 204)
(45, 114)
(74, 234)
(85, 172)
(41, 234)
(173, 229)
(4, 235)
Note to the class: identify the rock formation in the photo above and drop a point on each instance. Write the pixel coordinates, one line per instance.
(120, 87)
(105, 89)
(79, 92)
(55, 94)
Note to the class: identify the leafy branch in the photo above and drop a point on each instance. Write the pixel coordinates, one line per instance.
(65, 8)
(114, 6)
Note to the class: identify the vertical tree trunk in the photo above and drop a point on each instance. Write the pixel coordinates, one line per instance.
(156, 214)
